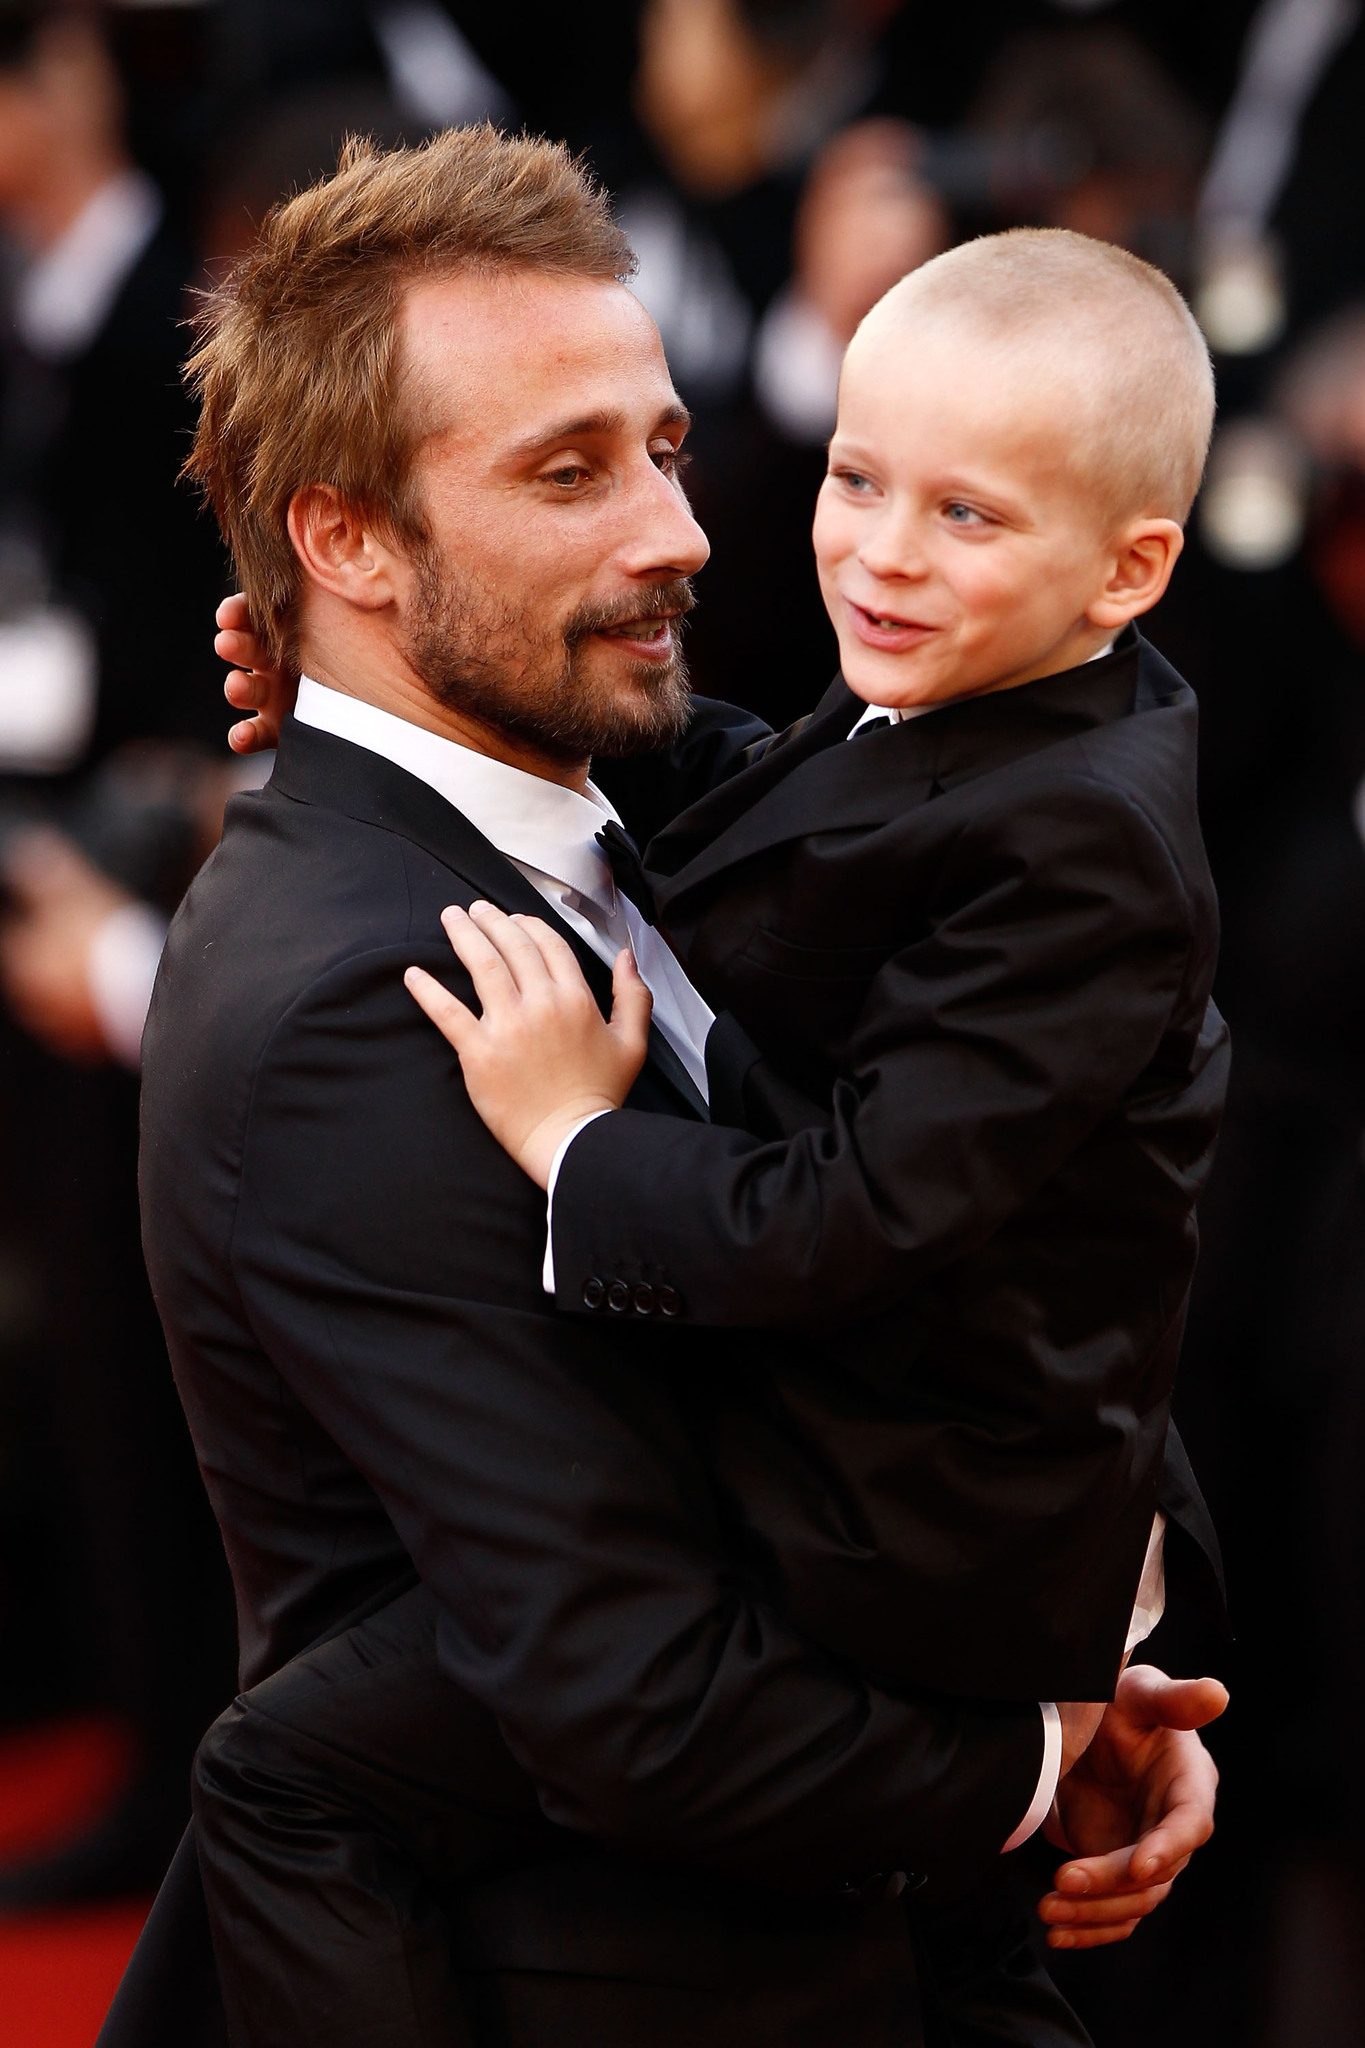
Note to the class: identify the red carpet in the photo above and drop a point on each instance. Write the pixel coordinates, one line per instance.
(59, 1970)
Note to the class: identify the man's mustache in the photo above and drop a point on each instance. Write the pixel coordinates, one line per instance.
(659, 601)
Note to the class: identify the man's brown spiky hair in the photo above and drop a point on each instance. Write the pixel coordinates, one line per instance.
(297, 367)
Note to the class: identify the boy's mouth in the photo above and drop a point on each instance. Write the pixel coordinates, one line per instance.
(883, 630)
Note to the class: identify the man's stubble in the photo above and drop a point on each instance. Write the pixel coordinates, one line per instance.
(495, 663)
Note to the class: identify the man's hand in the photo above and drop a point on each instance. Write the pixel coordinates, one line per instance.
(1134, 1809)
(542, 1056)
(1080, 1725)
(255, 683)
(60, 902)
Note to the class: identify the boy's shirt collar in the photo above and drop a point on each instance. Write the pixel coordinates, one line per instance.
(899, 714)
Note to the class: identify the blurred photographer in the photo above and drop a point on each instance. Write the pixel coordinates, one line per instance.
(108, 782)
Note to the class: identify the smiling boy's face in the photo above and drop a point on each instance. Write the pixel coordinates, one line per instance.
(961, 544)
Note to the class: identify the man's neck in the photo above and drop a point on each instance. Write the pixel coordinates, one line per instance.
(391, 686)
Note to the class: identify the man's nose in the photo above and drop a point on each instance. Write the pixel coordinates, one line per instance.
(663, 537)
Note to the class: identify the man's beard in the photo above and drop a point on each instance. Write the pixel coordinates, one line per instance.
(496, 665)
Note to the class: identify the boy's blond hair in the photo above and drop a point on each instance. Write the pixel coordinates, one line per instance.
(1110, 326)
(297, 367)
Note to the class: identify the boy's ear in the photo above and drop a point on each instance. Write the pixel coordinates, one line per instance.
(1140, 568)
(339, 550)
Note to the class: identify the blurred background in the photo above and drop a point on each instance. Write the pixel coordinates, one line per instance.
(778, 164)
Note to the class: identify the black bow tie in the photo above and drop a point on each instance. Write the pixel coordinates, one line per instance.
(627, 868)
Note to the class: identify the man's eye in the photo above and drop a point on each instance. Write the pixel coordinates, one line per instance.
(672, 461)
(569, 476)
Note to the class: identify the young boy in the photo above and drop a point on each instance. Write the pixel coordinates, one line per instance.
(982, 938)
(975, 948)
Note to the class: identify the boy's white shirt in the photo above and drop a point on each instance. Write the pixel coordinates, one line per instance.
(549, 833)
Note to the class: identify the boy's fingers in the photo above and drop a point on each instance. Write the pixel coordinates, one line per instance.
(632, 1005)
(561, 961)
(242, 650)
(520, 955)
(493, 983)
(247, 737)
(446, 1011)
(244, 691)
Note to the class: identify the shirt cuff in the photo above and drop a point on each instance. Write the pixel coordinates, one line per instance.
(547, 1271)
(121, 965)
(1047, 1780)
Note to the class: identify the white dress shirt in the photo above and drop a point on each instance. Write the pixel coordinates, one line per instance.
(548, 832)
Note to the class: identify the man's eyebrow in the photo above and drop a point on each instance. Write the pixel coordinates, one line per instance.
(606, 421)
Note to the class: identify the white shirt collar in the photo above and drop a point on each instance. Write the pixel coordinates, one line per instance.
(898, 713)
(65, 296)
(535, 823)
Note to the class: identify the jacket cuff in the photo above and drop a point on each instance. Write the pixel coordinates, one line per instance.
(547, 1270)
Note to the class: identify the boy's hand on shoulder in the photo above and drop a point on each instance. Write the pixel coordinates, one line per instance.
(541, 1057)
(255, 683)
(1134, 1809)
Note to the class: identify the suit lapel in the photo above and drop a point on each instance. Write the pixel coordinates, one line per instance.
(772, 761)
(315, 767)
(821, 783)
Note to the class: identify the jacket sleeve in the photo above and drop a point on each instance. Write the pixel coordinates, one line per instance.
(540, 1474)
(984, 1054)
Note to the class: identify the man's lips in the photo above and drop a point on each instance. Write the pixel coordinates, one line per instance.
(651, 637)
(885, 630)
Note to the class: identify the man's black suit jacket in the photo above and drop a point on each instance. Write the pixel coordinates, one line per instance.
(348, 1269)
(987, 937)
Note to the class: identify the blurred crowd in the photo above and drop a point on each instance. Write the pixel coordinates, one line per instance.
(778, 164)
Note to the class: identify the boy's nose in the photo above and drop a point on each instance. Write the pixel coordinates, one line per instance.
(890, 544)
(886, 553)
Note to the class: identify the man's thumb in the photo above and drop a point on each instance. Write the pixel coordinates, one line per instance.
(1156, 1701)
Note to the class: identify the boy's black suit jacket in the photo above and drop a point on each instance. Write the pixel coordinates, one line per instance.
(349, 1272)
(997, 924)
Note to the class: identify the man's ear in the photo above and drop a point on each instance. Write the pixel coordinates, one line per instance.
(340, 551)
(1140, 568)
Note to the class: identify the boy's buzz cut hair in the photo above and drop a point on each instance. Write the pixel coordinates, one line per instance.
(1103, 317)
(298, 369)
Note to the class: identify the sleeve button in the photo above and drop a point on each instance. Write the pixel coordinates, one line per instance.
(594, 1293)
(644, 1300)
(618, 1297)
(670, 1301)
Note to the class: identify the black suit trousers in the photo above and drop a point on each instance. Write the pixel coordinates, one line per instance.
(370, 1851)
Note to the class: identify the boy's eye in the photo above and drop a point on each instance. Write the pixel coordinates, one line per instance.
(962, 515)
(854, 479)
